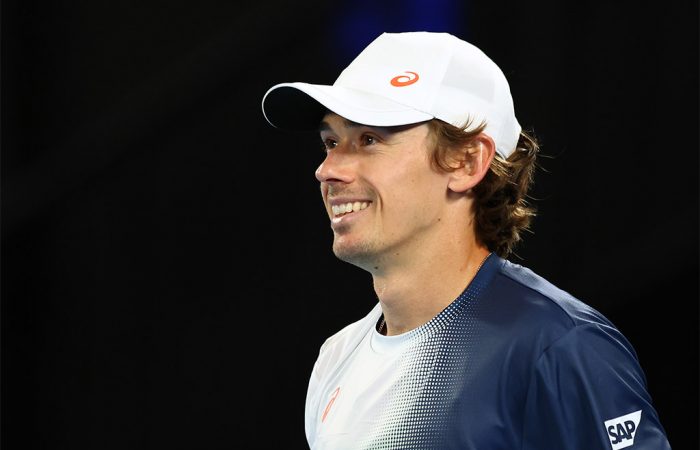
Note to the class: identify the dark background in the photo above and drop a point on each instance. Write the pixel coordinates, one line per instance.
(167, 276)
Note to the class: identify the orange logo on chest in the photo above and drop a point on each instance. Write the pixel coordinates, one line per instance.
(334, 395)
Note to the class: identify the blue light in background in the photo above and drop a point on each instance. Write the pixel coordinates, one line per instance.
(354, 24)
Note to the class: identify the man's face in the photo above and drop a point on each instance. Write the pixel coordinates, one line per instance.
(384, 199)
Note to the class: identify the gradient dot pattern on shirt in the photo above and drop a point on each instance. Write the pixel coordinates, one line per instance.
(435, 367)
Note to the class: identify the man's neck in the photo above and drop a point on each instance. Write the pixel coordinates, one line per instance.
(414, 294)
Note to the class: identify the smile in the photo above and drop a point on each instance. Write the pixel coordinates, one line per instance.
(347, 208)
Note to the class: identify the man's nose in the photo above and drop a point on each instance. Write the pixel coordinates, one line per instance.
(336, 167)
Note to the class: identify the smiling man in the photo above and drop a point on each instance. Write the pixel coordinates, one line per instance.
(425, 182)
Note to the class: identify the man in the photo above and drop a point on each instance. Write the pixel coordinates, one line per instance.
(424, 180)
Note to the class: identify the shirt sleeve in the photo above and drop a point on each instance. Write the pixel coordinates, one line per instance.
(589, 392)
(311, 406)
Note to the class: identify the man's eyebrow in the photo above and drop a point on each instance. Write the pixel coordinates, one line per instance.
(325, 126)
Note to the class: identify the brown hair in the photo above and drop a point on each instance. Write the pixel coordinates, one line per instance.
(501, 209)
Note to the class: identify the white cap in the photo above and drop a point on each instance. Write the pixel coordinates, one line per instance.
(404, 78)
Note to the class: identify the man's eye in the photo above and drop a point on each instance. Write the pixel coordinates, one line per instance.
(329, 144)
(368, 139)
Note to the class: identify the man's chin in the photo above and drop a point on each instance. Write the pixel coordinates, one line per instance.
(353, 254)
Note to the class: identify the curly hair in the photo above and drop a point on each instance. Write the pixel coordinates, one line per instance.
(501, 210)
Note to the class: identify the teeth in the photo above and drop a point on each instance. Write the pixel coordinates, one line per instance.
(339, 210)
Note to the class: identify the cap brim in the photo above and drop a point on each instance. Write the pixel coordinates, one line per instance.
(301, 106)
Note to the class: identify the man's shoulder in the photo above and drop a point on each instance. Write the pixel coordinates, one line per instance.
(522, 313)
(349, 337)
(529, 293)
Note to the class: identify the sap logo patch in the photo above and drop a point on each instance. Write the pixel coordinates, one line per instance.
(621, 430)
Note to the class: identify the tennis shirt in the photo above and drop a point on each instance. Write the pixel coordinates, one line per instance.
(513, 363)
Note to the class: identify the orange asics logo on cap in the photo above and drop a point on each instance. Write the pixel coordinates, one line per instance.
(334, 395)
(404, 80)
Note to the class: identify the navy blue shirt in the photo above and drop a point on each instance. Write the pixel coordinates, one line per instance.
(513, 363)
(548, 365)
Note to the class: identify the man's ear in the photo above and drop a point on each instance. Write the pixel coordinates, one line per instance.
(473, 164)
